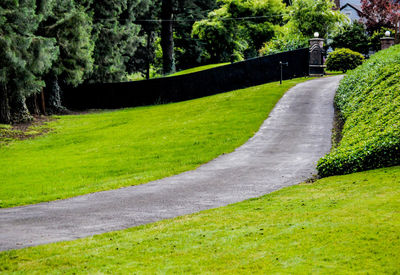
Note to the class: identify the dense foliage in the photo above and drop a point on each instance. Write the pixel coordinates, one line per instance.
(239, 28)
(189, 52)
(375, 38)
(351, 36)
(24, 56)
(287, 38)
(48, 44)
(117, 37)
(343, 60)
(380, 13)
(311, 16)
(369, 101)
(303, 18)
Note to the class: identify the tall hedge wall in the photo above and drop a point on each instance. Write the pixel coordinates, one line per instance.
(369, 101)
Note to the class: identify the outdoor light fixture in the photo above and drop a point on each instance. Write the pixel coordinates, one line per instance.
(281, 64)
(387, 33)
(316, 34)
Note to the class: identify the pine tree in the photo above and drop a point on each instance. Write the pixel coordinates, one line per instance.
(24, 57)
(145, 54)
(71, 26)
(117, 37)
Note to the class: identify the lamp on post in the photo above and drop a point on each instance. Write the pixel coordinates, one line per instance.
(281, 64)
(387, 41)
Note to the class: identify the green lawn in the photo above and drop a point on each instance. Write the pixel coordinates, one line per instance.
(338, 225)
(334, 72)
(107, 150)
(198, 69)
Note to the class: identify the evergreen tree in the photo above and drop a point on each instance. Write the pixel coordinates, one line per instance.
(116, 37)
(145, 54)
(71, 26)
(24, 56)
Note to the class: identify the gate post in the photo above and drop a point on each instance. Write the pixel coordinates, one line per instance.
(387, 41)
(316, 63)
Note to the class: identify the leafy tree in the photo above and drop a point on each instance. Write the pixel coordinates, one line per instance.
(287, 38)
(24, 56)
(239, 28)
(189, 51)
(380, 14)
(311, 16)
(352, 36)
(343, 60)
(186, 50)
(218, 37)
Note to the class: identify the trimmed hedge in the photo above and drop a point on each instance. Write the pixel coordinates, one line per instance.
(343, 60)
(369, 101)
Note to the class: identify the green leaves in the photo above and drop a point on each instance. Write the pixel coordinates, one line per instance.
(228, 36)
(311, 16)
(369, 101)
(117, 37)
(71, 27)
(352, 36)
(343, 60)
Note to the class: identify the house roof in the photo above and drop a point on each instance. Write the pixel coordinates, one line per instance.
(355, 7)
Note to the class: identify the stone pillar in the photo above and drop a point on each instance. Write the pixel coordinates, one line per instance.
(386, 42)
(317, 67)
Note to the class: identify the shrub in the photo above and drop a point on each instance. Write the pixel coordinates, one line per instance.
(375, 39)
(343, 60)
(283, 43)
(368, 99)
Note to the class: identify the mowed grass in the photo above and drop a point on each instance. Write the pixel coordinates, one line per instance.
(198, 69)
(338, 225)
(108, 150)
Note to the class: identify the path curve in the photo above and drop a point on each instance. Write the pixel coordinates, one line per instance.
(283, 152)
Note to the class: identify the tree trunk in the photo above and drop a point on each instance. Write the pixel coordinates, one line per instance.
(148, 55)
(5, 115)
(19, 110)
(167, 39)
(52, 94)
(32, 103)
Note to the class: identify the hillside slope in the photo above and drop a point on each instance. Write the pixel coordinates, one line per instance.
(369, 101)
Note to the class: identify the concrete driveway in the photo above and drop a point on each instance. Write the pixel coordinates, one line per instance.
(283, 152)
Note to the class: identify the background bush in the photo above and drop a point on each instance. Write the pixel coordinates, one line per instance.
(352, 36)
(287, 38)
(369, 101)
(343, 60)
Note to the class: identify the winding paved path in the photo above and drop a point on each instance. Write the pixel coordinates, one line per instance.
(284, 152)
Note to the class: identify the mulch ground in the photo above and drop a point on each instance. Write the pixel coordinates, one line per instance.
(26, 130)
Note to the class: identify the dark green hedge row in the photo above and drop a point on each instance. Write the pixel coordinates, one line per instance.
(369, 101)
